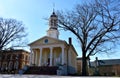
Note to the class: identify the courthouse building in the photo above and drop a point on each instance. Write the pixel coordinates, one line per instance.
(51, 51)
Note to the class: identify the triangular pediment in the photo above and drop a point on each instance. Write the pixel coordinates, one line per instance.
(46, 40)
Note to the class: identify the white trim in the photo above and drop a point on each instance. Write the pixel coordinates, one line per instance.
(48, 46)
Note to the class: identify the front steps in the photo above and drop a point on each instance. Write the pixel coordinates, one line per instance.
(42, 70)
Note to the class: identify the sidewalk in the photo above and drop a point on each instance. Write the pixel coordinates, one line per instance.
(46, 76)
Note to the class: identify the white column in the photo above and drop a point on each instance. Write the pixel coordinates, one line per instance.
(36, 58)
(31, 57)
(34, 61)
(40, 61)
(62, 55)
(51, 56)
(54, 58)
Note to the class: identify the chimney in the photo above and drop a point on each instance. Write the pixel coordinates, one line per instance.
(96, 58)
(96, 62)
(70, 41)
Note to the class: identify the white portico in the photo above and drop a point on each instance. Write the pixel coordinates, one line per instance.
(48, 51)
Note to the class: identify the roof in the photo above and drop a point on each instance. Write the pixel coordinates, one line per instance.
(40, 40)
(106, 62)
(15, 50)
(50, 41)
(79, 58)
(73, 49)
(53, 15)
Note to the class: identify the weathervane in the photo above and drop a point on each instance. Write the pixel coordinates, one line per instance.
(53, 7)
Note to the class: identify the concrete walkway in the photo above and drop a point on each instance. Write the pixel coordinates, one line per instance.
(35, 76)
(44, 76)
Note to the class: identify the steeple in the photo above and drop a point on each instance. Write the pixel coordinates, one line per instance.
(53, 21)
(53, 26)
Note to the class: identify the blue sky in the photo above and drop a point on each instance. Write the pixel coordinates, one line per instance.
(33, 13)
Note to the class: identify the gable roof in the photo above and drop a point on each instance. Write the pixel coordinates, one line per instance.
(41, 41)
(73, 49)
(51, 40)
(106, 62)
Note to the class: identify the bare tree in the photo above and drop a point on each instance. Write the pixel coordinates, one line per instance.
(96, 25)
(10, 30)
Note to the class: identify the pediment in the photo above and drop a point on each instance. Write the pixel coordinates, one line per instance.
(46, 40)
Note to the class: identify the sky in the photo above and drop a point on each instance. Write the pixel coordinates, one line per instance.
(33, 13)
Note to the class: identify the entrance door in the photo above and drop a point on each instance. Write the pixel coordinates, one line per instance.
(48, 62)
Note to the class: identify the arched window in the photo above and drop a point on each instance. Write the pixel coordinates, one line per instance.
(10, 65)
(16, 65)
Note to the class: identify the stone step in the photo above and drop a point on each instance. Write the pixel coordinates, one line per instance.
(44, 70)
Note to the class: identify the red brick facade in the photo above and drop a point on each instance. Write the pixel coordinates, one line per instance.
(13, 60)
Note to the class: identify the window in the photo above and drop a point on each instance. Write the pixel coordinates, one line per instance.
(46, 41)
(16, 65)
(8, 57)
(26, 58)
(14, 56)
(21, 56)
(3, 56)
(10, 66)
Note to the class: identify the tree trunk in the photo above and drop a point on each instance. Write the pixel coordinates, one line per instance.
(84, 64)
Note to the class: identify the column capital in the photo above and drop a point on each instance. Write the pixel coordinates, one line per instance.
(40, 48)
(62, 46)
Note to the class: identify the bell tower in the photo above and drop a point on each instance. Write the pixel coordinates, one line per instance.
(53, 26)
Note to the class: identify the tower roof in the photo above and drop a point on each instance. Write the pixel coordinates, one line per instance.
(53, 14)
